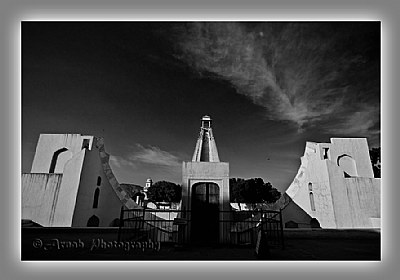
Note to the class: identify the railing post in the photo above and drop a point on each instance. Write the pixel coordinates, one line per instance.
(121, 223)
(281, 226)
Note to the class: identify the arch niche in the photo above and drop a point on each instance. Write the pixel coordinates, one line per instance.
(348, 165)
(59, 159)
(93, 221)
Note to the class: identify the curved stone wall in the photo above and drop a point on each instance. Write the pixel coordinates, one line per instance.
(122, 195)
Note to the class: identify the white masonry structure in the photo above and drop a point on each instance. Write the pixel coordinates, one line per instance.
(71, 184)
(335, 185)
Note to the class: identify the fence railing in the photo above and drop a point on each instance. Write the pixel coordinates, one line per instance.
(174, 226)
(245, 226)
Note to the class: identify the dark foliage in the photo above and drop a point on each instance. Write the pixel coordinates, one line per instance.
(252, 191)
(164, 191)
(375, 155)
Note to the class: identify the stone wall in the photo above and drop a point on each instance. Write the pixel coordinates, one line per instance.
(39, 197)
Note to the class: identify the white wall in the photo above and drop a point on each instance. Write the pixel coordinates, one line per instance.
(50, 143)
(358, 149)
(69, 190)
(339, 202)
(313, 170)
(54, 203)
(40, 194)
(356, 200)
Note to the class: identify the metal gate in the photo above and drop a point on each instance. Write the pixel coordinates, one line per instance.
(168, 226)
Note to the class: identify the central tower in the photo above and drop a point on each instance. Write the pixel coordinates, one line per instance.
(205, 190)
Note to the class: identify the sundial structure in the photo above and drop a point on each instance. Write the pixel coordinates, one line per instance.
(205, 190)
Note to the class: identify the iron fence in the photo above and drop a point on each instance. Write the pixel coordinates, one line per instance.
(244, 227)
(177, 226)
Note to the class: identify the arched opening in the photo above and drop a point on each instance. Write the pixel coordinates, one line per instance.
(99, 181)
(96, 198)
(205, 213)
(348, 165)
(85, 144)
(310, 187)
(93, 221)
(312, 201)
(55, 158)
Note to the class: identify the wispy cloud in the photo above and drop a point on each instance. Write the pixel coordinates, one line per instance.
(120, 162)
(154, 155)
(299, 72)
(148, 155)
(363, 122)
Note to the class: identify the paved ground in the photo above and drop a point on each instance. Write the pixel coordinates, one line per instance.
(98, 245)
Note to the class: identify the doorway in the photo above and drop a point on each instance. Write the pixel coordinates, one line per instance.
(205, 213)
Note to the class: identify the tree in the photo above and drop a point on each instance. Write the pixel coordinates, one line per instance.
(163, 191)
(236, 190)
(375, 156)
(252, 191)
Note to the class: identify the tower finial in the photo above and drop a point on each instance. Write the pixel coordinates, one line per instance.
(206, 121)
(206, 149)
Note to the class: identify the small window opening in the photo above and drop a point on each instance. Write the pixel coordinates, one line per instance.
(206, 124)
(96, 198)
(312, 201)
(85, 144)
(326, 153)
(99, 181)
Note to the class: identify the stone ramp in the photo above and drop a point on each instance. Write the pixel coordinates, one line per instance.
(126, 200)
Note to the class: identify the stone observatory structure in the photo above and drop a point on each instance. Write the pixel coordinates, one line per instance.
(205, 190)
(334, 186)
(71, 184)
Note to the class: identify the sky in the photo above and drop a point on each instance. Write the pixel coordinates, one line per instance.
(268, 86)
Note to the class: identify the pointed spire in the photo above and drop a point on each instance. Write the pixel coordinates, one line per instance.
(206, 148)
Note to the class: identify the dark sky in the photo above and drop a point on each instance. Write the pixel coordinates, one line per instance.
(269, 88)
